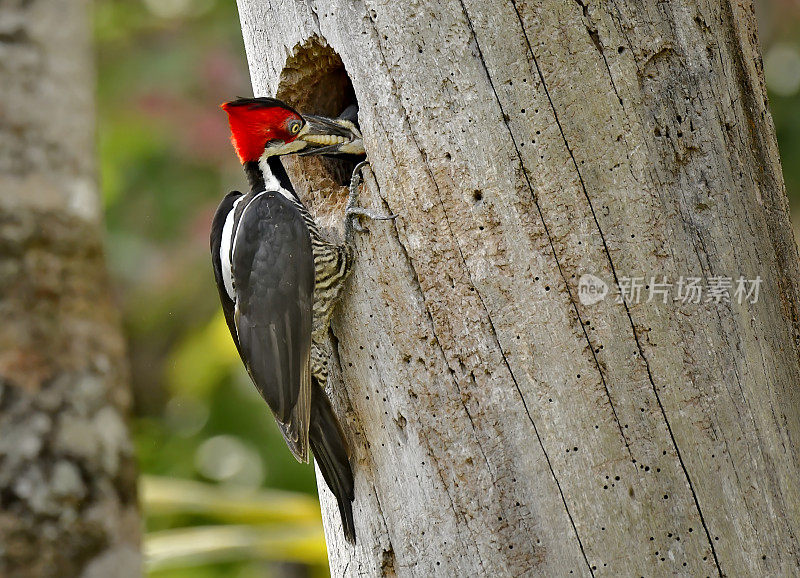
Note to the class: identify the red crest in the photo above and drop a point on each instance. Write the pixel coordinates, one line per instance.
(255, 122)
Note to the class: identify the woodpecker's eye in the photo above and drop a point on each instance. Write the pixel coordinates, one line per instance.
(295, 126)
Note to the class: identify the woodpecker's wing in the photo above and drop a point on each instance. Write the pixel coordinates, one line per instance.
(217, 228)
(272, 277)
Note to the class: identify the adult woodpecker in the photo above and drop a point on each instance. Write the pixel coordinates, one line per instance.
(279, 280)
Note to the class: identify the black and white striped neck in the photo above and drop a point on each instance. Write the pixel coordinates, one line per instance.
(268, 174)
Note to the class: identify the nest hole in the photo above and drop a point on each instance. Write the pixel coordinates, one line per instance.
(314, 81)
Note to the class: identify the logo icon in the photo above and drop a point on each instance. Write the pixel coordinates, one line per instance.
(591, 289)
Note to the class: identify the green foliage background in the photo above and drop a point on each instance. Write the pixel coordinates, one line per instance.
(164, 66)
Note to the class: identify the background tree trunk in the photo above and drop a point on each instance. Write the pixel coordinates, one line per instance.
(67, 474)
(498, 425)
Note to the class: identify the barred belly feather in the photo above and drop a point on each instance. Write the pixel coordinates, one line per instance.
(332, 265)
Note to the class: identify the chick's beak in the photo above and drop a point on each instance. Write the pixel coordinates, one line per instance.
(330, 136)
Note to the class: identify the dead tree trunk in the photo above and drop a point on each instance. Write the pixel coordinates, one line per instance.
(501, 423)
(67, 474)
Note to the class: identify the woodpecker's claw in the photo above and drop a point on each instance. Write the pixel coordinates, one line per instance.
(352, 212)
(355, 212)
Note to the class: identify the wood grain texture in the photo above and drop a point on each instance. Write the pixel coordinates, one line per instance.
(67, 470)
(499, 426)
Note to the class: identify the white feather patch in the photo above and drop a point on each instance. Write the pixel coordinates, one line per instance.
(225, 251)
(271, 182)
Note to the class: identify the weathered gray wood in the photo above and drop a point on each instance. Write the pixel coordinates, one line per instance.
(499, 426)
(67, 473)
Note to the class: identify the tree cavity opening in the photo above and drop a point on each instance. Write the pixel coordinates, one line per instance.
(315, 81)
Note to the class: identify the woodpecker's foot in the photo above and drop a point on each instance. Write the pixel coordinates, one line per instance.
(353, 213)
(355, 181)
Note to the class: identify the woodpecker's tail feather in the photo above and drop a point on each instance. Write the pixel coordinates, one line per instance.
(330, 450)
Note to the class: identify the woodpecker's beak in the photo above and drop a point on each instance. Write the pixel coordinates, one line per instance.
(330, 136)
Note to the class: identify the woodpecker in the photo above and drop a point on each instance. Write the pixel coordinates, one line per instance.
(279, 280)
